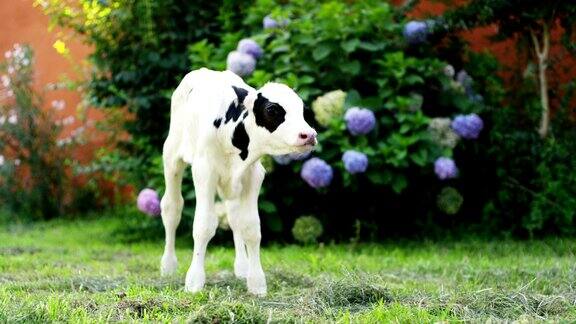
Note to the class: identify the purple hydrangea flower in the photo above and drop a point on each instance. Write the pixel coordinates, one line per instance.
(283, 159)
(249, 46)
(415, 32)
(476, 98)
(270, 23)
(359, 121)
(148, 202)
(466, 81)
(317, 173)
(240, 63)
(445, 168)
(300, 156)
(468, 126)
(355, 162)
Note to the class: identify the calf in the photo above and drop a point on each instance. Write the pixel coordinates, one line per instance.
(222, 127)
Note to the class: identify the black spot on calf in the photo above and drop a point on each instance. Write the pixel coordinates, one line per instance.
(268, 114)
(217, 122)
(245, 115)
(241, 140)
(233, 112)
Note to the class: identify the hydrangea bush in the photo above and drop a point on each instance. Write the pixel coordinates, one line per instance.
(429, 98)
(385, 103)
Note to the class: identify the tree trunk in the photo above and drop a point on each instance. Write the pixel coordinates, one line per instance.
(542, 58)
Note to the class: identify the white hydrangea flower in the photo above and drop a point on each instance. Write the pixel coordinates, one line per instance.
(441, 132)
(2, 160)
(13, 119)
(77, 132)
(64, 141)
(329, 106)
(58, 104)
(449, 71)
(68, 120)
(5, 81)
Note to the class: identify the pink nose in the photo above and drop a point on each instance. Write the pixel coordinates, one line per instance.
(308, 138)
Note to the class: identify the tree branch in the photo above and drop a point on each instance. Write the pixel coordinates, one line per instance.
(542, 60)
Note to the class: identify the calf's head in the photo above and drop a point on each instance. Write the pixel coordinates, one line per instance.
(279, 120)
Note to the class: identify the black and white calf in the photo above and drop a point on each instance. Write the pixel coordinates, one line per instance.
(222, 127)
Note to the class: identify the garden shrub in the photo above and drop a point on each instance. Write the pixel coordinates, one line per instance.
(35, 159)
(375, 92)
(139, 57)
(531, 190)
(412, 132)
(534, 185)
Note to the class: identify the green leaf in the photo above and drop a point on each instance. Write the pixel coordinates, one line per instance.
(352, 99)
(306, 79)
(321, 52)
(352, 67)
(268, 207)
(399, 184)
(379, 177)
(404, 128)
(413, 79)
(273, 222)
(350, 45)
(420, 157)
(371, 47)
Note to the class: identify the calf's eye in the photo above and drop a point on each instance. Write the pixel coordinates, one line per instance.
(272, 110)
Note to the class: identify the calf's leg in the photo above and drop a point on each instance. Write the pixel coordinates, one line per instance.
(249, 226)
(234, 213)
(171, 205)
(205, 222)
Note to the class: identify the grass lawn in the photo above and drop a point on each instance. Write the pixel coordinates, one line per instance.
(77, 271)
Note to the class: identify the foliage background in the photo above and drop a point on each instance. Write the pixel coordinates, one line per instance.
(512, 181)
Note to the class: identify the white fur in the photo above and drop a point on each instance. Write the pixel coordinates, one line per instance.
(203, 96)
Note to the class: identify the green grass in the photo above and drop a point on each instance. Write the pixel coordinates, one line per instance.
(77, 271)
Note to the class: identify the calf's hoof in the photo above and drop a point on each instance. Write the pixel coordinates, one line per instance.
(257, 286)
(168, 265)
(194, 282)
(193, 288)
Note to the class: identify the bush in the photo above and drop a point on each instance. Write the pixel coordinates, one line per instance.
(535, 187)
(374, 94)
(403, 111)
(139, 57)
(531, 190)
(34, 161)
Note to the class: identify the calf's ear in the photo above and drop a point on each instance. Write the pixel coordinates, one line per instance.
(240, 93)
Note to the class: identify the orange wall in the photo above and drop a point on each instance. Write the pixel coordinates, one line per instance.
(21, 23)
